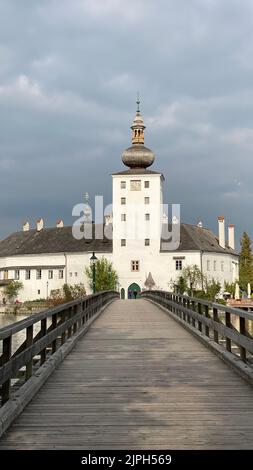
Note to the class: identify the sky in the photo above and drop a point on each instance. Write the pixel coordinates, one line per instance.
(69, 73)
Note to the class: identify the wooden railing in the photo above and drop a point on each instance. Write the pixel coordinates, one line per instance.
(229, 327)
(44, 334)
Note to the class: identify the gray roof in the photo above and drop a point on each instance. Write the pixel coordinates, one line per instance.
(138, 171)
(194, 238)
(51, 240)
(61, 240)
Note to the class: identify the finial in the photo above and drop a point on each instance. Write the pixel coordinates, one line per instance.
(138, 102)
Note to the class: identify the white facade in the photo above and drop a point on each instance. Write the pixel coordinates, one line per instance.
(128, 247)
(40, 274)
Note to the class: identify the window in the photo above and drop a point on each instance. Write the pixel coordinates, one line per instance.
(147, 216)
(146, 200)
(208, 265)
(38, 273)
(123, 201)
(147, 242)
(75, 274)
(39, 292)
(17, 274)
(222, 265)
(123, 242)
(135, 265)
(214, 265)
(179, 265)
(123, 217)
(60, 273)
(146, 184)
(6, 274)
(135, 185)
(70, 274)
(28, 274)
(123, 185)
(50, 274)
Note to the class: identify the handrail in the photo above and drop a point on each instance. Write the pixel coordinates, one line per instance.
(56, 325)
(36, 317)
(213, 320)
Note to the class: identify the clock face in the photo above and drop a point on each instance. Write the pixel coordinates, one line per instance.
(135, 185)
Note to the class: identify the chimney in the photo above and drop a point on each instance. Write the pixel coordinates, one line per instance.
(59, 223)
(40, 224)
(108, 219)
(26, 226)
(221, 224)
(231, 236)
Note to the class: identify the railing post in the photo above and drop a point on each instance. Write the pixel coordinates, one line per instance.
(29, 342)
(200, 313)
(216, 319)
(5, 390)
(70, 328)
(54, 325)
(63, 335)
(228, 325)
(193, 307)
(43, 330)
(184, 305)
(188, 308)
(75, 323)
(243, 332)
(206, 308)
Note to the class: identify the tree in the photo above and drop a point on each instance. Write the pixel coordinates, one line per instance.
(106, 277)
(66, 294)
(181, 285)
(245, 262)
(12, 289)
(192, 278)
(230, 288)
(212, 289)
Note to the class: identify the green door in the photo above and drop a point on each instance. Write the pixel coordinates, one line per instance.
(133, 291)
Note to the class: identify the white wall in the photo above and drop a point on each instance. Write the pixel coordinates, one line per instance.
(215, 262)
(73, 265)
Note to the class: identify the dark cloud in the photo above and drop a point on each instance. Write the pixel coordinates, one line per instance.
(69, 72)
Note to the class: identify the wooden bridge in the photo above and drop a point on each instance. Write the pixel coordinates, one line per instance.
(159, 372)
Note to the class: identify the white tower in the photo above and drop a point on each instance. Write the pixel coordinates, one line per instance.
(137, 212)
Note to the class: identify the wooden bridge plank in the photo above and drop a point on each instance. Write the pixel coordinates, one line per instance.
(137, 380)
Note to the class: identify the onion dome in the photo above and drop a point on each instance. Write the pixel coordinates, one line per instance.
(138, 156)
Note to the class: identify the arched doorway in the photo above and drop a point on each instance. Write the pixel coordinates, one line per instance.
(122, 293)
(132, 289)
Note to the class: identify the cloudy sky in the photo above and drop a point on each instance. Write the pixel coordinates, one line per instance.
(69, 72)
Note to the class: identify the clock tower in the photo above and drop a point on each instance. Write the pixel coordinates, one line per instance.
(137, 211)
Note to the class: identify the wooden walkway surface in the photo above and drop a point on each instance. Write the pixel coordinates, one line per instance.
(137, 380)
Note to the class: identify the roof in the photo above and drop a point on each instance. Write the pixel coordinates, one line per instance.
(194, 238)
(61, 240)
(51, 240)
(138, 171)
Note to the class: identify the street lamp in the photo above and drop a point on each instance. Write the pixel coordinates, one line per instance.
(47, 289)
(93, 261)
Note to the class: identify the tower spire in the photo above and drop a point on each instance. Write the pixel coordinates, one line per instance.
(138, 102)
(138, 156)
(138, 126)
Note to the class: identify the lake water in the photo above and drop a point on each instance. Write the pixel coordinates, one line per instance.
(17, 339)
(7, 319)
